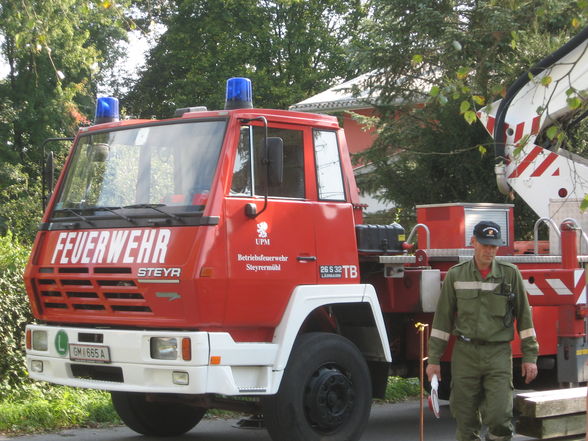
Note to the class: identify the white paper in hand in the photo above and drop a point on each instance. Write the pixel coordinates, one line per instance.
(434, 397)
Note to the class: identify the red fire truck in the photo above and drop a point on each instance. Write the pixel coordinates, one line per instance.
(218, 259)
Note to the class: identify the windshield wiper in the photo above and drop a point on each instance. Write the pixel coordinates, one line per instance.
(76, 214)
(111, 210)
(155, 207)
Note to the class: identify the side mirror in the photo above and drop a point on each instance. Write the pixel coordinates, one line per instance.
(275, 161)
(48, 177)
(48, 170)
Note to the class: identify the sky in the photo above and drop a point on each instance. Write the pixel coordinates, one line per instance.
(3, 65)
(135, 49)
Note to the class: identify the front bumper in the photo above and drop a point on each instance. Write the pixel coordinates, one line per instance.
(218, 364)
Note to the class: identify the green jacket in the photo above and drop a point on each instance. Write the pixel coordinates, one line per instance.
(479, 309)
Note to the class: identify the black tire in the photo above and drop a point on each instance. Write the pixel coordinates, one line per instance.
(325, 393)
(155, 418)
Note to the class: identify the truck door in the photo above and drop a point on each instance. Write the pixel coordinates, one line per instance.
(334, 222)
(272, 253)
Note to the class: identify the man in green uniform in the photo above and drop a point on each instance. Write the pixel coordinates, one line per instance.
(479, 302)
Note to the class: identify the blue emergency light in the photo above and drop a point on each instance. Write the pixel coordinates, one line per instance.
(106, 110)
(239, 94)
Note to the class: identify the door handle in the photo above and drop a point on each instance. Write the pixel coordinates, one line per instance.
(306, 258)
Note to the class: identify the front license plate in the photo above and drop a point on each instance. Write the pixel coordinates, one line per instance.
(93, 353)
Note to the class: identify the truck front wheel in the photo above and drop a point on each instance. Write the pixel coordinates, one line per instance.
(325, 393)
(155, 418)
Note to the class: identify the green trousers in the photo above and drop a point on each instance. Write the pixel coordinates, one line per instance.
(481, 390)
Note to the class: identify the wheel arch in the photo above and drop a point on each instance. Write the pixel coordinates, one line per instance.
(353, 311)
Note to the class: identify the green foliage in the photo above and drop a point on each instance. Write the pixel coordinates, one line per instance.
(289, 49)
(14, 315)
(400, 389)
(57, 407)
(20, 202)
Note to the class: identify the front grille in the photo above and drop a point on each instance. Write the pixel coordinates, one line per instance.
(73, 270)
(76, 282)
(111, 291)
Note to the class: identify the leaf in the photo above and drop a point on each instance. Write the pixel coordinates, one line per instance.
(552, 132)
(482, 150)
(575, 22)
(434, 92)
(456, 45)
(523, 141)
(470, 116)
(463, 72)
(584, 203)
(464, 106)
(416, 59)
(479, 100)
(574, 103)
(497, 89)
(546, 80)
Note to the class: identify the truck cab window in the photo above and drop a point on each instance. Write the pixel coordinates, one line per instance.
(328, 166)
(251, 146)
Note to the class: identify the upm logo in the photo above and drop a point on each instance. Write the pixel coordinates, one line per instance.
(122, 246)
(262, 235)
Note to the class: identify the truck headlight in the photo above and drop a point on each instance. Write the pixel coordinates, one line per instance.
(164, 348)
(40, 341)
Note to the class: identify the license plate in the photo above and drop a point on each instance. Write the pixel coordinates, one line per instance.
(92, 353)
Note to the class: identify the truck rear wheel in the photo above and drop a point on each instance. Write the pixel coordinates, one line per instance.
(155, 418)
(325, 393)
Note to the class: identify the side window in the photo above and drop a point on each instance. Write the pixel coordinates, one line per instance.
(251, 145)
(328, 166)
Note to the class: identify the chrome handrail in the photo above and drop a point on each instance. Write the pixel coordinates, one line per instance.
(413, 232)
(549, 222)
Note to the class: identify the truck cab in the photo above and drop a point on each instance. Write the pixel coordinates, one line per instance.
(172, 224)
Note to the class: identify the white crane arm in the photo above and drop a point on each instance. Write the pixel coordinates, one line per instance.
(528, 158)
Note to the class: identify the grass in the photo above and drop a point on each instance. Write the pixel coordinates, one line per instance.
(400, 389)
(57, 407)
(54, 408)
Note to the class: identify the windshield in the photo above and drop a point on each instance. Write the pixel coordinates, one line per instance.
(163, 165)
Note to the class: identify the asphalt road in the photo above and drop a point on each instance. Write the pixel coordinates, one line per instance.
(389, 422)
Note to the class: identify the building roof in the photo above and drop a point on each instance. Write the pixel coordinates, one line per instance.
(340, 97)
